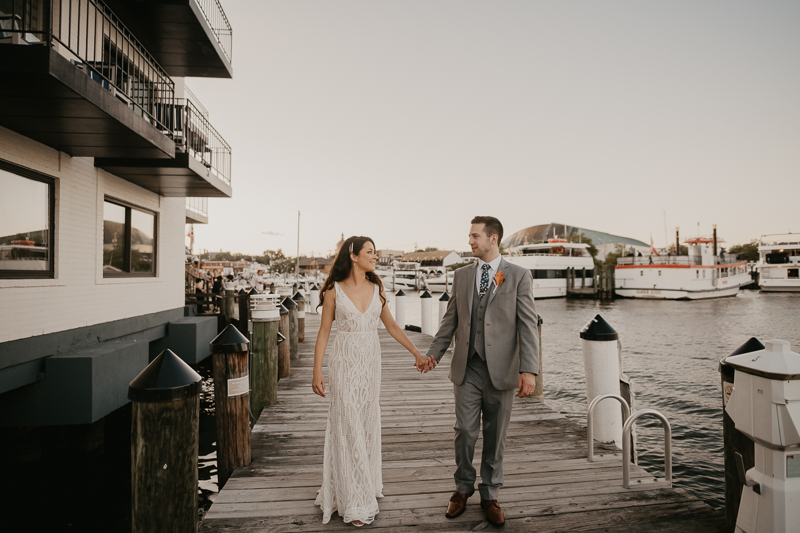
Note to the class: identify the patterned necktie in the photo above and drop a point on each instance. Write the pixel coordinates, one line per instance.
(484, 279)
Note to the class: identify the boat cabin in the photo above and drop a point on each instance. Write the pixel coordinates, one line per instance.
(556, 247)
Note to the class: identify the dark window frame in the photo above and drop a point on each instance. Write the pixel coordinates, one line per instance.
(50, 181)
(128, 230)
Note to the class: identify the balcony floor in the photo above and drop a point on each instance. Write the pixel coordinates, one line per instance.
(46, 98)
(177, 35)
(182, 176)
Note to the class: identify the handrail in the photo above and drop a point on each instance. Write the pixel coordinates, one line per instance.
(626, 448)
(194, 134)
(590, 417)
(219, 24)
(95, 41)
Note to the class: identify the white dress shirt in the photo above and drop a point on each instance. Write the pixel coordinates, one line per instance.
(494, 264)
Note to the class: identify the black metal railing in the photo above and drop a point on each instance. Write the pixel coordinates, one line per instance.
(194, 134)
(93, 39)
(675, 260)
(215, 16)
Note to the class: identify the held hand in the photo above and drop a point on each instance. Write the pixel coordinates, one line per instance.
(526, 385)
(318, 384)
(424, 363)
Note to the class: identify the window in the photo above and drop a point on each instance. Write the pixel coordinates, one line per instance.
(792, 273)
(129, 240)
(27, 211)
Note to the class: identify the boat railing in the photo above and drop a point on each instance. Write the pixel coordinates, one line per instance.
(722, 259)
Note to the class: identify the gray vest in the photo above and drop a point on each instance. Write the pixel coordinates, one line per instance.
(477, 339)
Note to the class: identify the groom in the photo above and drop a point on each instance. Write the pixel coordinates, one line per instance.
(496, 352)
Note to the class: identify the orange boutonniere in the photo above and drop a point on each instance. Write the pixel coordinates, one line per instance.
(499, 278)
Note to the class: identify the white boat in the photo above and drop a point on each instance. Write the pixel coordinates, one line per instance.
(404, 275)
(548, 263)
(779, 263)
(699, 275)
(440, 283)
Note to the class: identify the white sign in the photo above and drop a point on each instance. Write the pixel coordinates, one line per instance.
(239, 386)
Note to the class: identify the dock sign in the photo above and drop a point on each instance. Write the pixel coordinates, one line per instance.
(238, 386)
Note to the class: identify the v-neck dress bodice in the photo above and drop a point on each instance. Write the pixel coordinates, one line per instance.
(351, 478)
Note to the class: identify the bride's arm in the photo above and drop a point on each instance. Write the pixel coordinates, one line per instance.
(400, 336)
(328, 307)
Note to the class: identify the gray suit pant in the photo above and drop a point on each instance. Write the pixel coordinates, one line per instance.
(474, 396)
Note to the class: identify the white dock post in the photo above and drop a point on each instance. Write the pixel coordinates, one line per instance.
(314, 297)
(400, 308)
(426, 302)
(443, 301)
(601, 365)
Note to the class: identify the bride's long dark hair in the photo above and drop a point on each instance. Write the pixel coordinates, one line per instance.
(342, 266)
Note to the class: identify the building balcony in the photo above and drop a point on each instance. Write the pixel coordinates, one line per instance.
(73, 77)
(197, 210)
(189, 38)
(202, 163)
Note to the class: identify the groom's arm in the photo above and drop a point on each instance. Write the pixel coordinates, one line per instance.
(527, 322)
(447, 328)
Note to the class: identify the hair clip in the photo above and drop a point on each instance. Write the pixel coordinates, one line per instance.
(351, 247)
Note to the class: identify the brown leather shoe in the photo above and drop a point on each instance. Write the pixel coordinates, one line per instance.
(494, 513)
(457, 504)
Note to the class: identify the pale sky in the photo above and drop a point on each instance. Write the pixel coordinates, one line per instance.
(401, 120)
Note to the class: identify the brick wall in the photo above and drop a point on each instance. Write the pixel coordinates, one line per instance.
(79, 295)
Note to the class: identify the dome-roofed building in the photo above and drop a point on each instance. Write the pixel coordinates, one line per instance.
(338, 246)
(604, 242)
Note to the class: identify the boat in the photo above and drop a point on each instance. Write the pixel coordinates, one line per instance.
(779, 263)
(701, 274)
(548, 263)
(440, 283)
(404, 275)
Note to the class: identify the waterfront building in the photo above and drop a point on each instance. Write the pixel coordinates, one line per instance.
(604, 242)
(105, 155)
(438, 258)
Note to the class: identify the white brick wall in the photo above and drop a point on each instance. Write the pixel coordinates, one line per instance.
(79, 295)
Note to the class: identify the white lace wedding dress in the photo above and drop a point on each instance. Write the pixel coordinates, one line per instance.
(351, 478)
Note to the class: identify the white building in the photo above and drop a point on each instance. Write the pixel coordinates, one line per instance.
(104, 157)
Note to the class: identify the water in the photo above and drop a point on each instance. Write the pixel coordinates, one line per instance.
(670, 351)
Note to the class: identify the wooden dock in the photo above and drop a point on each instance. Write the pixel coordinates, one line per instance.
(549, 484)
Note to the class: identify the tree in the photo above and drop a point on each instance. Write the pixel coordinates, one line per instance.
(748, 251)
(581, 237)
(431, 249)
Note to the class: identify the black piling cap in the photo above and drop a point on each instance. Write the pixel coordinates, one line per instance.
(229, 341)
(425, 294)
(314, 287)
(400, 292)
(281, 337)
(252, 291)
(298, 297)
(166, 379)
(242, 291)
(540, 321)
(284, 311)
(445, 298)
(599, 330)
(752, 345)
(289, 303)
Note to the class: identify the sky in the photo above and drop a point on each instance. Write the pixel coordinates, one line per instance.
(401, 120)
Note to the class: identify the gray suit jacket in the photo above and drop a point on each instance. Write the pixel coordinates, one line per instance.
(512, 338)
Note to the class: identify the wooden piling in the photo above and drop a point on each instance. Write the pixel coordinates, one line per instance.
(293, 327)
(232, 400)
(265, 363)
(227, 306)
(300, 300)
(165, 407)
(284, 353)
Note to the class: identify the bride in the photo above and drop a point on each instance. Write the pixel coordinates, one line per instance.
(354, 296)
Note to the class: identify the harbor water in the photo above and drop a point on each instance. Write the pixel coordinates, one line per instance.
(670, 350)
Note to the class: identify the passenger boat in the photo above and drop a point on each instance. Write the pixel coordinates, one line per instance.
(779, 263)
(548, 263)
(701, 274)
